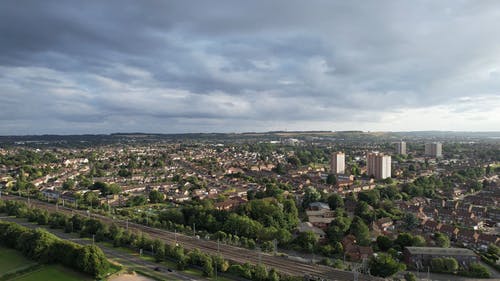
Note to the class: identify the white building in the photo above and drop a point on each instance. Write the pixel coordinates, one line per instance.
(434, 149)
(378, 165)
(337, 164)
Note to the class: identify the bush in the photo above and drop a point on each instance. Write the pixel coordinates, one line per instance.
(45, 247)
(476, 270)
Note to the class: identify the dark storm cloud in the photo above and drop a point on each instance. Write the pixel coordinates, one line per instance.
(70, 66)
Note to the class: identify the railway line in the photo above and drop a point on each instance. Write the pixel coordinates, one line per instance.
(229, 252)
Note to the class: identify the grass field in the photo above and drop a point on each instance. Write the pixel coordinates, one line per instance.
(11, 260)
(53, 272)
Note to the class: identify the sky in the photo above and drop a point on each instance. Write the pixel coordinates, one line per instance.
(80, 67)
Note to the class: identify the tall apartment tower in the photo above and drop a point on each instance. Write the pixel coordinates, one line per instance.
(434, 149)
(401, 148)
(337, 164)
(379, 165)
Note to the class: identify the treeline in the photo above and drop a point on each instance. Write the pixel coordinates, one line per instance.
(44, 247)
(120, 237)
(260, 219)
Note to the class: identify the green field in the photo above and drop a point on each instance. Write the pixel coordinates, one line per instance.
(11, 260)
(53, 272)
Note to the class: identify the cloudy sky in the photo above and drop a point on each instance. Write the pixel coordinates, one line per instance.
(71, 67)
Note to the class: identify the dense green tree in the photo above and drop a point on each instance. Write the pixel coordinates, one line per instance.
(410, 276)
(91, 198)
(155, 197)
(365, 211)
(418, 241)
(331, 179)
(310, 195)
(404, 240)
(273, 275)
(208, 266)
(293, 160)
(335, 201)
(478, 270)
(306, 240)
(92, 261)
(338, 228)
(494, 250)
(359, 229)
(372, 197)
(138, 200)
(68, 184)
(410, 221)
(242, 225)
(384, 243)
(442, 240)
(385, 265)
(260, 273)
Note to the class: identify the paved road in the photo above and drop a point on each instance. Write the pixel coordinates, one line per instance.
(123, 258)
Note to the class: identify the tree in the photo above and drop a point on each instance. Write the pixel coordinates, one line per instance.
(311, 195)
(307, 240)
(138, 200)
(361, 231)
(91, 198)
(260, 273)
(68, 184)
(267, 246)
(293, 160)
(331, 179)
(478, 270)
(494, 250)
(410, 221)
(437, 264)
(404, 240)
(409, 276)
(273, 275)
(364, 211)
(280, 169)
(92, 260)
(208, 267)
(372, 197)
(155, 197)
(99, 185)
(418, 241)
(384, 243)
(337, 229)
(450, 264)
(335, 201)
(442, 240)
(384, 265)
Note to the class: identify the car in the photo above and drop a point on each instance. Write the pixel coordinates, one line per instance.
(169, 270)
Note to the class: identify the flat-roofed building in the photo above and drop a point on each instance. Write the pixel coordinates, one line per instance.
(400, 147)
(421, 257)
(434, 149)
(337, 164)
(378, 165)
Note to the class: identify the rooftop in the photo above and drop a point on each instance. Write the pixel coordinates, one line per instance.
(440, 251)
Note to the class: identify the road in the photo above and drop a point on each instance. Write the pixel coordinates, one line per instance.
(125, 259)
(229, 252)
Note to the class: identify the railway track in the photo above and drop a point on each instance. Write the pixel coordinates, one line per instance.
(229, 252)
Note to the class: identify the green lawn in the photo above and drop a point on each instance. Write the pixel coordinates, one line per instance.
(53, 272)
(11, 260)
